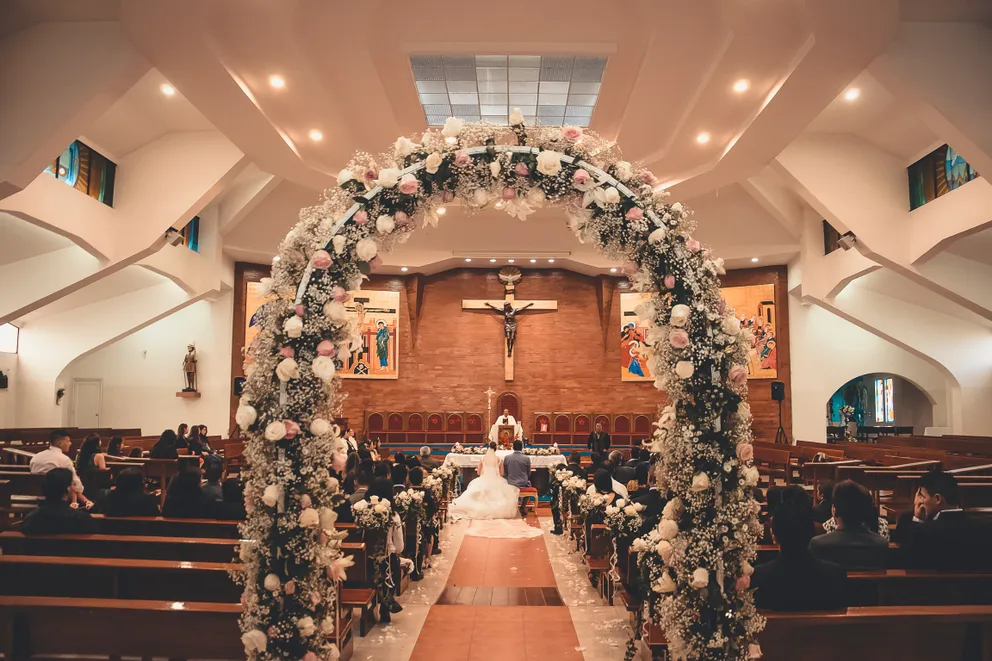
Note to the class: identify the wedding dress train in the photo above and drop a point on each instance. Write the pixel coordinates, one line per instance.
(488, 496)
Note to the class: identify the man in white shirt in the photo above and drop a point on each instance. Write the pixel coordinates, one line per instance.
(55, 457)
(505, 419)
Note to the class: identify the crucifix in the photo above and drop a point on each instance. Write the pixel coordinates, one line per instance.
(509, 308)
(489, 406)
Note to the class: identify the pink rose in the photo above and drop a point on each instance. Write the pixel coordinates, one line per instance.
(509, 193)
(370, 174)
(401, 218)
(299, 309)
(447, 196)
(305, 501)
(521, 169)
(289, 587)
(287, 352)
(635, 213)
(339, 461)
(743, 583)
(339, 293)
(738, 375)
(745, 451)
(648, 177)
(409, 184)
(326, 348)
(361, 217)
(272, 632)
(678, 338)
(581, 177)
(462, 158)
(571, 133)
(321, 259)
(292, 429)
(669, 282)
(692, 245)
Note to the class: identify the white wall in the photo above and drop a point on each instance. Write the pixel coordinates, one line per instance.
(142, 372)
(828, 351)
(8, 365)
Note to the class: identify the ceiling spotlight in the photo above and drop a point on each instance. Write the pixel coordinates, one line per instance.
(742, 86)
(277, 82)
(468, 259)
(167, 89)
(613, 270)
(510, 261)
(276, 258)
(61, 170)
(451, 140)
(492, 261)
(316, 135)
(441, 211)
(551, 261)
(533, 261)
(754, 259)
(404, 269)
(852, 94)
(703, 138)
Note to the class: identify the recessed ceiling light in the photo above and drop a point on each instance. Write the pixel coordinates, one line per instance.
(316, 135)
(742, 86)
(754, 259)
(551, 261)
(852, 94)
(451, 140)
(492, 261)
(468, 259)
(404, 269)
(441, 211)
(276, 258)
(703, 138)
(533, 261)
(510, 261)
(613, 270)
(277, 82)
(167, 89)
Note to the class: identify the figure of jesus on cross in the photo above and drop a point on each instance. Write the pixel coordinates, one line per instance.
(509, 322)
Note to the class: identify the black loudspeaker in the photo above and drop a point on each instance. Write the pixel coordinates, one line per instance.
(239, 385)
(3, 381)
(778, 391)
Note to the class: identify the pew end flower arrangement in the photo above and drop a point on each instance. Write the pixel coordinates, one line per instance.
(695, 347)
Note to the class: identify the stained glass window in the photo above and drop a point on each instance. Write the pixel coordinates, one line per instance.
(879, 401)
(890, 407)
(885, 407)
(86, 170)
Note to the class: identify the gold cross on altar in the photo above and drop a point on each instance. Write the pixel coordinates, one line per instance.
(509, 308)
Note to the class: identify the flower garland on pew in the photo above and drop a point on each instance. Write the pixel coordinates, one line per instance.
(373, 517)
(410, 506)
(695, 347)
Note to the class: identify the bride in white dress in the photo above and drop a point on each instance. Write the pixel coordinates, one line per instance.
(488, 496)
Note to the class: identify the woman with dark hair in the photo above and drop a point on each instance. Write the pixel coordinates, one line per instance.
(90, 457)
(193, 441)
(232, 506)
(165, 448)
(182, 436)
(184, 499)
(128, 497)
(116, 447)
(602, 482)
(350, 468)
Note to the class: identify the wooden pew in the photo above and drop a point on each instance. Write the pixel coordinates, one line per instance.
(163, 527)
(774, 462)
(142, 547)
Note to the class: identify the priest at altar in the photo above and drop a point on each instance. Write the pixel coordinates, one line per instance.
(505, 419)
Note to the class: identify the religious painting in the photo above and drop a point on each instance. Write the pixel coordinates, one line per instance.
(633, 329)
(755, 308)
(254, 306)
(376, 316)
(936, 174)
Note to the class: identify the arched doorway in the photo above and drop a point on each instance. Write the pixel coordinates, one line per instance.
(883, 403)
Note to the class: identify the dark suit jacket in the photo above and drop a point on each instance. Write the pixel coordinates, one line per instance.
(58, 519)
(163, 451)
(954, 540)
(599, 442)
(624, 474)
(854, 550)
(653, 504)
(800, 583)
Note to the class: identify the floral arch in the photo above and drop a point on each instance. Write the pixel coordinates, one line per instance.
(699, 554)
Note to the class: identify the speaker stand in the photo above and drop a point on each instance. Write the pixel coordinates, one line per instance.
(780, 437)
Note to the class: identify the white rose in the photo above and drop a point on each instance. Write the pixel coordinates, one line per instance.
(610, 510)
(275, 431)
(335, 311)
(611, 195)
(743, 410)
(731, 326)
(432, 163)
(665, 584)
(671, 511)
(452, 127)
(271, 495)
(360, 506)
(680, 315)
(287, 369)
(751, 476)
(668, 529)
(293, 327)
(388, 177)
(344, 177)
(404, 147)
(549, 163)
(328, 518)
(480, 197)
(381, 508)
(306, 626)
(309, 518)
(700, 482)
(700, 578)
(245, 416)
(343, 352)
(665, 550)
(254, 641)
(327, 626)
(319, 426)
(715, 266)
(677, 207)
(338, 242)
(645, 311)
(620, 502)
(623, 171)
(516, 117)
(684, 369)
(366, 249)
(323, 368)
(385, 224)
(272, 583)
(265, 286)
(536, 197)
(494, 168)
(630, 510)
(657, 236)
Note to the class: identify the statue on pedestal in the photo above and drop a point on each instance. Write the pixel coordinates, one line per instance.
(189, 368)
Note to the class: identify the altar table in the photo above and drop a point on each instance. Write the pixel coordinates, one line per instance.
(473, 460)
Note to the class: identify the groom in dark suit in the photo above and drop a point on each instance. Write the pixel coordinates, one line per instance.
(517, 469)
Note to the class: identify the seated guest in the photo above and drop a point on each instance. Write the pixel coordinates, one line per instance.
(873, 521)
(575, 464)
(348, 484)
(374, 450)
(399, 458)
(116, 447)
(426, 460)
(938, 534)
(90, 461)
(182, 436)
(795, 580)
(650, 497)
(136, 453)
(399, 475)
(364, 453)
(616, 487)
(231, 506)
(165, 447)
(211, 486)
(822, 510)
(595, 462)
(363, 479)
(55, 515)
(183, 498)
(622, 473)
(55, 457)
(854, 545)
(128, 497)
(413, 462)
(383, 469)
(638, 456)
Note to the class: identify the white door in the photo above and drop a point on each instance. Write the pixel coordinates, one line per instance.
(87, 400)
